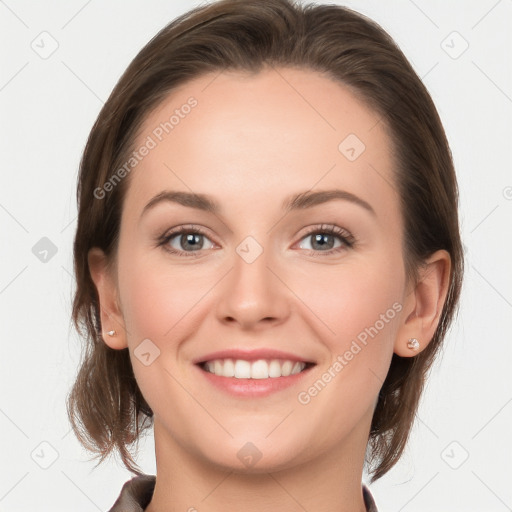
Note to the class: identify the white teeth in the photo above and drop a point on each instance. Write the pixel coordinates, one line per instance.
(286, 369)
(297, 368)
(260, 369)
(274, 369)
(242, 369)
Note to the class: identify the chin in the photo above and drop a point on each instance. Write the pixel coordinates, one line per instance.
(253, 457)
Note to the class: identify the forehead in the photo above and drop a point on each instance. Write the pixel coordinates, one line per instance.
(262, 136)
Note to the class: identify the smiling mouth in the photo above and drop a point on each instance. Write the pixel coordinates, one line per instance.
(258, 369)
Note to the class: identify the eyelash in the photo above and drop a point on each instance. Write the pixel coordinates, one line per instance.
(347, 239)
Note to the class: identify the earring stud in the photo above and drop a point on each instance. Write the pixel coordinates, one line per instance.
(111, 333)
(413, 344)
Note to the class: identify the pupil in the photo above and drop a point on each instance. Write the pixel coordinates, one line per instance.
(193, 240)
(320, 239)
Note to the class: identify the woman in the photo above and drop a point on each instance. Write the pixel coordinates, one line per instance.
(268, 258)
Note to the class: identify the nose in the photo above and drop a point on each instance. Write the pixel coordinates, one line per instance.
(253, 295)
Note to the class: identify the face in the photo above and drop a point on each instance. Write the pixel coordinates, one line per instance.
(282, 252)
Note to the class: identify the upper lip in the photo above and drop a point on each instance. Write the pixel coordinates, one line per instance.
(251, 355)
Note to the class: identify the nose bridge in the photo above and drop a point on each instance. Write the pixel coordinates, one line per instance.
(252, 293)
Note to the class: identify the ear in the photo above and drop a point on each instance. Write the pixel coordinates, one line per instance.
(110, 312)
(424, 304)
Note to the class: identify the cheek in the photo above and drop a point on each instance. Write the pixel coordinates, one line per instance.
(156, 302)
(356, 301)
(160, 307)
(362, 308)
(149, 309)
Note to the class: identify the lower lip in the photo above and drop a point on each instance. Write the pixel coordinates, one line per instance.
(252, 388)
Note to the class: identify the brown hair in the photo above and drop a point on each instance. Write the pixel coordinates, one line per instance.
(105, 406)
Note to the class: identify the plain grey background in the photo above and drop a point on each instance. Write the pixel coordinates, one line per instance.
(59, 62)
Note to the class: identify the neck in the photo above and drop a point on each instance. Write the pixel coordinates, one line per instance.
(331, 482)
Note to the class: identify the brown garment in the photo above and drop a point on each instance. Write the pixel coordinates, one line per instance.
(137, 493)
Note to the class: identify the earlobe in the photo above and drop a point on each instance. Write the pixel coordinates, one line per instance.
(424, 306)
(112, 324)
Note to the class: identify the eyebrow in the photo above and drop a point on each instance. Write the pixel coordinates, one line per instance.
(300, 201)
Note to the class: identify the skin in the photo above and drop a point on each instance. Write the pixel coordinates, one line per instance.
(251, 142)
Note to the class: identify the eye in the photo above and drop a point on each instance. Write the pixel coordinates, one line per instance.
(186, 241)
(327, 239)
(191, 240)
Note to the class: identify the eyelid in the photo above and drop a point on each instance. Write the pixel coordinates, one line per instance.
(343, 234)
(185, 228)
